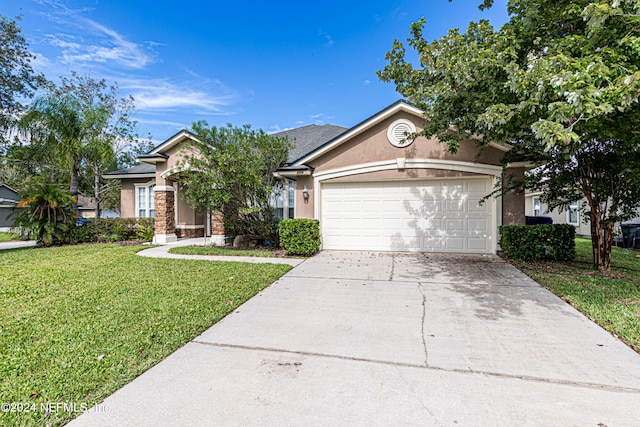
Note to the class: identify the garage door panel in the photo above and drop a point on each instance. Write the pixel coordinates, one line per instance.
(432, 215)
(473, 205)
(455, 224)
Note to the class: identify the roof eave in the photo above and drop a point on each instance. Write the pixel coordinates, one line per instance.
(173, 141)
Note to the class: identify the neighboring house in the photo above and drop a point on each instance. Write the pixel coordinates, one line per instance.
(8, 200)
(87, 209)
(369, 188)
(535, 207)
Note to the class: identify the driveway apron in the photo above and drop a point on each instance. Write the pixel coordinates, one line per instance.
(355, 338)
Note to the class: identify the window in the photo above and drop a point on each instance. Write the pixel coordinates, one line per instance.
(283, 199)
(291, 199)
(572, 214)
(536, 206)
(145, 200)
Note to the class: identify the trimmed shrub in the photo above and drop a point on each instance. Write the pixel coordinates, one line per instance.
(145, 233)
(300, 236)
(545, 241)
(111, 230)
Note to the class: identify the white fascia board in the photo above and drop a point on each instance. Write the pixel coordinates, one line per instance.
(291, 174)
(526, 165)
(535, 194)
(152, 161)
(173, 141)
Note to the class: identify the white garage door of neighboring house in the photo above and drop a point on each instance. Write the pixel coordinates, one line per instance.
(414, 216)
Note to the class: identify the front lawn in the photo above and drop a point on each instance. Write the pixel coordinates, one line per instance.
(79, 322)
(214, 250)
(8, 237)
(612, 300)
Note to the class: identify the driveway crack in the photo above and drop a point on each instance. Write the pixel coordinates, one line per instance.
(393, 266)
(424, 316)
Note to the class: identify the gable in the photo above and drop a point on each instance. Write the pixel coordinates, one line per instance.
(8, 194)
(372, 144)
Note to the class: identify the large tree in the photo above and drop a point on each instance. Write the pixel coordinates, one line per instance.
(231, 170)
(18, 80)
(560, 82)
(89, 129)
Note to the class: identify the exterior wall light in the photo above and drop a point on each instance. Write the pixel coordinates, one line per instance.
(305, 194)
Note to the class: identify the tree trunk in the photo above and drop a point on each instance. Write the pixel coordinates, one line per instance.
(96, 191)
(601, 242)
(73, 184)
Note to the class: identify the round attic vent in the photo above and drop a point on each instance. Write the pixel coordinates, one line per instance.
(399, 131)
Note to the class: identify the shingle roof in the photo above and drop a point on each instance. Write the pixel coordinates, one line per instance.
(140, 168)
(308, 138)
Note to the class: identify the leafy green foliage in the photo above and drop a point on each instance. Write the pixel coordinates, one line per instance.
(230, 170)
(300, 236)
(79, 322)
(145, 234)
(103, 230)
(560, 82)
(18, 80)
(545, 241)
(45, 211)
(77, 132)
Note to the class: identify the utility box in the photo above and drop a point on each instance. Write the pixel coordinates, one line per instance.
(630, 236)
(536, 220)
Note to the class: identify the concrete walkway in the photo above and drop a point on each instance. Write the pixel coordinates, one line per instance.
(163, 252)
(350, 338)
(17, 244)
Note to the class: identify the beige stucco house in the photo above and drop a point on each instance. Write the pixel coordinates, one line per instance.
(369, 187)
(573, 215)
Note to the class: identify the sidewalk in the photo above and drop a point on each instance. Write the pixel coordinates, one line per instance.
(163, 252)
(18, 244)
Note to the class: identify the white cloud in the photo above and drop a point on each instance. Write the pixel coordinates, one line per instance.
(316, 116)
(275, 129)
(40, 62)
(329, 41)
(161, 94)
(84, 40)
(176, 125)
(366, 82)
(109, 46)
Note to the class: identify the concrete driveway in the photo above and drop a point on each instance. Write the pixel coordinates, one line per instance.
(353, 338)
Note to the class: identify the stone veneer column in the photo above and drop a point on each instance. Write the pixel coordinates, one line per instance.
(217, 229)
(165, 215)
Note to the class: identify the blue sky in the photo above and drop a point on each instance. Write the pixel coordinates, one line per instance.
(274, 65)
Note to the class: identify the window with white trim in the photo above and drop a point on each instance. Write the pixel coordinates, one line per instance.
(145, 200)
(536, 206)
(572, 214)
(283, 199)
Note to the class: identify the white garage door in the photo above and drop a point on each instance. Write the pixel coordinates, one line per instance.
(414, 216)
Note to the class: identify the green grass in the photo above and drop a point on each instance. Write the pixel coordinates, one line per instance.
(79, 322)
(8, 237)
(214, 250)
(610, 299)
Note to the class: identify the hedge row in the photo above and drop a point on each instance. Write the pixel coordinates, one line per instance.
(300, 236)
(112, 230)
(546, 241)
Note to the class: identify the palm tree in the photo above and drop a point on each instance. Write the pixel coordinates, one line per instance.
(46, 210)
(63, 129)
